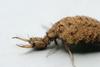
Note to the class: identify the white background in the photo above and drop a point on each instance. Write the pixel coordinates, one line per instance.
(25, 18)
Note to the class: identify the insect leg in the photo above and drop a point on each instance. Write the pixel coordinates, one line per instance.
(55, 48)
(56, 42)
(70, 54)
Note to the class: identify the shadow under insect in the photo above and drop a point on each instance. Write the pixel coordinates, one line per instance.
(85, 48)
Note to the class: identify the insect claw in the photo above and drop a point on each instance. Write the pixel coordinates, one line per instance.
(25, 46)
(21, 39)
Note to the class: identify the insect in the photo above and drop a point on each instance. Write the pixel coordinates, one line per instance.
(71, 30)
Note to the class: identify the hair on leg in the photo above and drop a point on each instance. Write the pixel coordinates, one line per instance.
(70, 54)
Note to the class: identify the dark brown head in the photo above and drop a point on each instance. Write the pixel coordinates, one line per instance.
(37, 43)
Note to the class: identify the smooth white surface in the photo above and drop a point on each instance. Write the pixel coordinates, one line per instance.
(24, 18)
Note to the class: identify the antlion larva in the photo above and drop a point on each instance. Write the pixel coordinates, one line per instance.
(71, 30)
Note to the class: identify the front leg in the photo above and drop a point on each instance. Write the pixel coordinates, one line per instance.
(54, 49)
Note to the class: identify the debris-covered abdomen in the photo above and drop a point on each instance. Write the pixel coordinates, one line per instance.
(76, 29)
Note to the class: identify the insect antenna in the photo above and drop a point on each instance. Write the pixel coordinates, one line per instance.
(71, 55)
